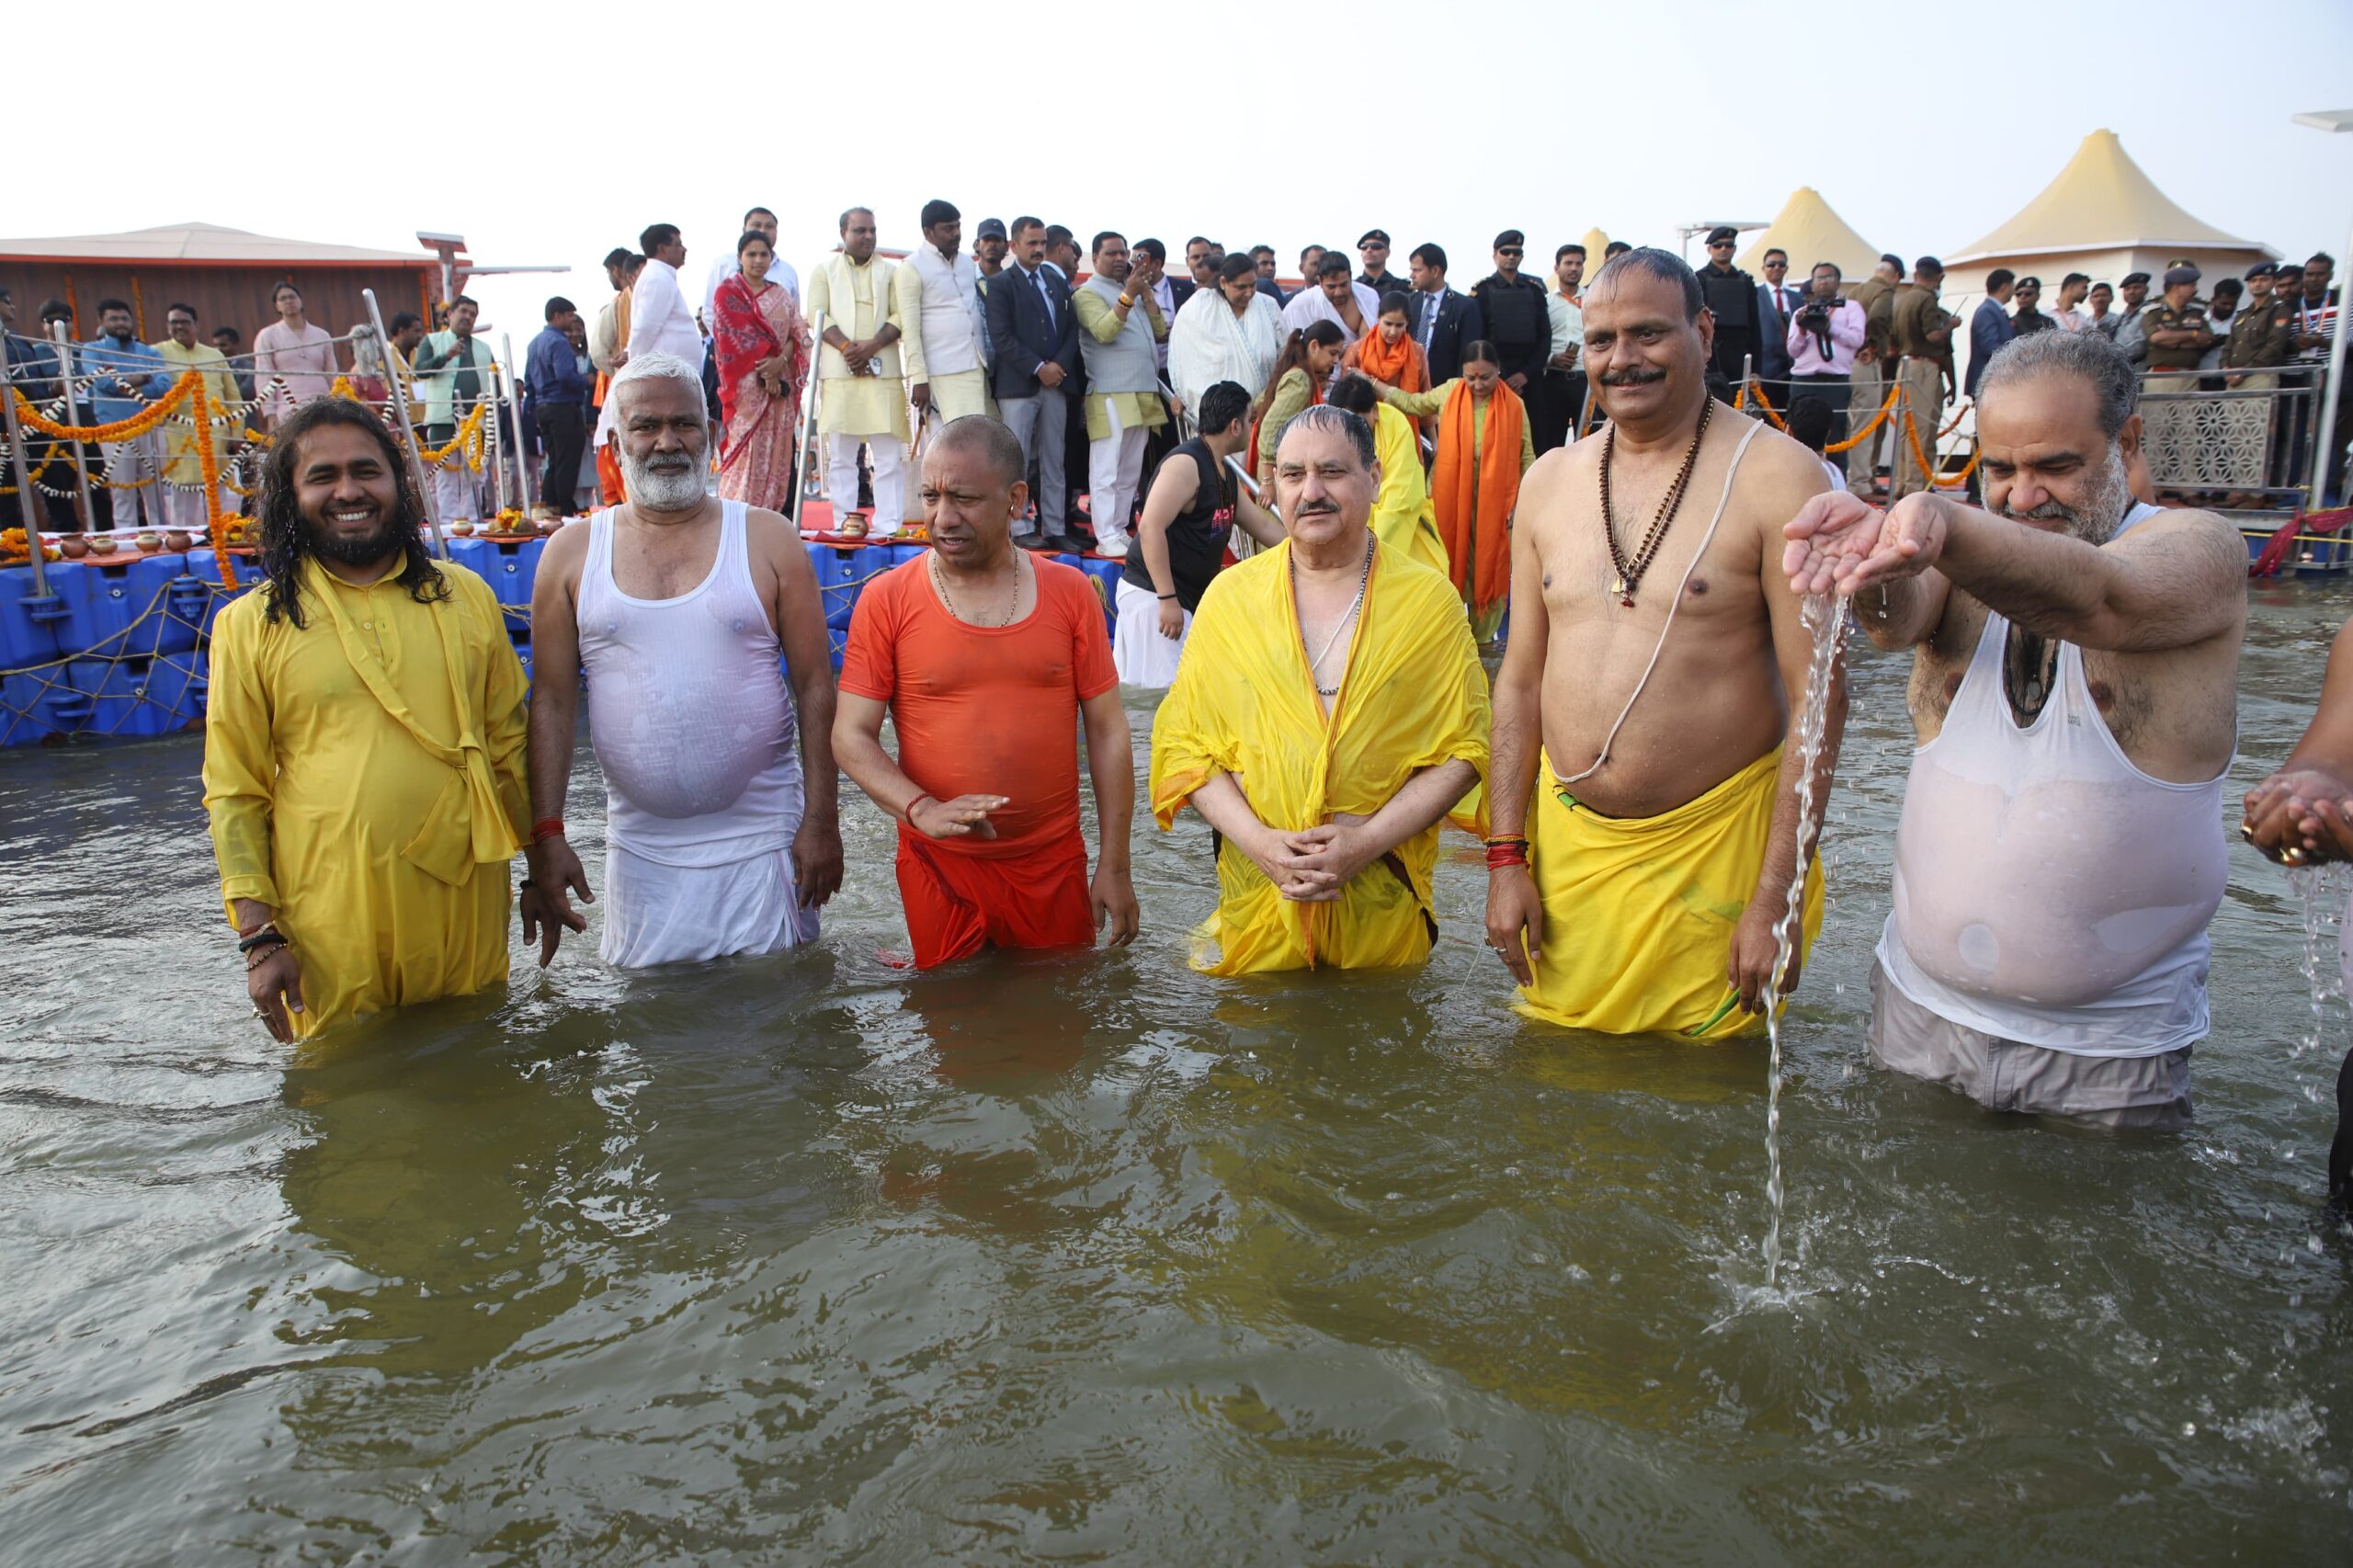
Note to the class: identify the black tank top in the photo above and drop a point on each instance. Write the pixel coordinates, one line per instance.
(1197, 537)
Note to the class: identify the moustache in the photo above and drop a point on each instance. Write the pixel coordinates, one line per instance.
(2048, 512)
(1641, 377)
(1319, 509)
(668, 462)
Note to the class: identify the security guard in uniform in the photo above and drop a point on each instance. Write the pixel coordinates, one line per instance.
(2177, 331)
(1920, 332)
(2261, 332)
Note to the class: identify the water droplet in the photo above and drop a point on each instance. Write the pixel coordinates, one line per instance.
(2190, 1428)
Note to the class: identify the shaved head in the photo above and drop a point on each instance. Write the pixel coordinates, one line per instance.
(986, 438)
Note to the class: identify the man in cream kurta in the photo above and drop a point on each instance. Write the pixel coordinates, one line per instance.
(185, 505)
(855, 300)
(947, 330)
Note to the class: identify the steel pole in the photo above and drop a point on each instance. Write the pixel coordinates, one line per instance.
(73, 416)
(2327, 437)
(406, 433)
(27, 503)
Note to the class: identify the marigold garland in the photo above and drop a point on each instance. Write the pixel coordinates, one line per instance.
(1741, 402)
(138, 425)
(1912, 433)
(1859, 437)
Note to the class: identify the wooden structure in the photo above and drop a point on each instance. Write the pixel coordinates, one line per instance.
(226, 274)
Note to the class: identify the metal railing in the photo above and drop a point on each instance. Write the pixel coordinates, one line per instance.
(2208, 440)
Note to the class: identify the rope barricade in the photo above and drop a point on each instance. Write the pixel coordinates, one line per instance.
(1912, 434)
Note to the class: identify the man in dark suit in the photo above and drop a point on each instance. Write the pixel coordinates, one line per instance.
(1989, 326)
(1035, 340)
(1777, 301)
(1445, 321)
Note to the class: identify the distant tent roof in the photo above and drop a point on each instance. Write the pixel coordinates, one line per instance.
(1811, 232)
(1595, 242)
(202, 244)
(2101, 199)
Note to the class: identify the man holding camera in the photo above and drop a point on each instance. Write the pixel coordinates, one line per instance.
(1825, 333)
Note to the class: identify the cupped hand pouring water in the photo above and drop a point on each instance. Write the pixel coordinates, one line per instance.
(1839, 544)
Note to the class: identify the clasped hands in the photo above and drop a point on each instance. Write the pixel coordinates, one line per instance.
(2300, 817)
(1312, 865)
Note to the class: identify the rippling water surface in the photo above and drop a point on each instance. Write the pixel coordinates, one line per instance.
(1088, 1259)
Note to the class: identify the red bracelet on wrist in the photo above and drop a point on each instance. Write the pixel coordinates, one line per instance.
(1502, 852)
(908, 813)
(546, 828)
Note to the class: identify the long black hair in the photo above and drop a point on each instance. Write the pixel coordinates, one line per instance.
(285, 536)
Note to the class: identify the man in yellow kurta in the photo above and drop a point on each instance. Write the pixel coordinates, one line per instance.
(859, 305)
(1330, 711)
(184, 503)
(363, 759)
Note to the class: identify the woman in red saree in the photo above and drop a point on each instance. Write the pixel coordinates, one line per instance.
(761, 347)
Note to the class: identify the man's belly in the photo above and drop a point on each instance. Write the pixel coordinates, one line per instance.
(2058, 894)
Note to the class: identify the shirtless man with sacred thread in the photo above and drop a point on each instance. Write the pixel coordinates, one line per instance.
(1645, 810)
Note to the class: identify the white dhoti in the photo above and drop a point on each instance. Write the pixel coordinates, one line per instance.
(656, 914)
(1141, 656)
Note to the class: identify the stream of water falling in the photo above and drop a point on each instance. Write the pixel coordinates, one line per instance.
(2322, 889)
(1826, 617)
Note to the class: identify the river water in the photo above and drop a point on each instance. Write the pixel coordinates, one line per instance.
(1088, 1259)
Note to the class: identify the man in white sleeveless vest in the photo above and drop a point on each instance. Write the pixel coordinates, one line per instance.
(2074, 690)
(947, 374)
(1119, 325)
(710, 705)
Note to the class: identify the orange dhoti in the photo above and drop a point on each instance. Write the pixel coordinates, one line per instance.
(959, 903)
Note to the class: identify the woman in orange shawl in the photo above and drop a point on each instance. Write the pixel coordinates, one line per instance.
(1388, 354)
(761, 345)
(1483, 447)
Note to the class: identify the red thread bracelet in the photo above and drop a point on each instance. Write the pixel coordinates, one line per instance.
(908, 812)
(547, 828)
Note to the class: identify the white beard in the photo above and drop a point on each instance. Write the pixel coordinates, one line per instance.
(662, 490)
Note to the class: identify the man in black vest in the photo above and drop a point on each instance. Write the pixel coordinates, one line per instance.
(1729, 295)
(1518, 320)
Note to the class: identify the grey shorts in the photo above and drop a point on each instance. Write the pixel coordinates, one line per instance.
(2005, 1075)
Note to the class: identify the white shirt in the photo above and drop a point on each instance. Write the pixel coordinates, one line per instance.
(1568, 323)
(659, 321)
(949, 325)
(1309, 305)
(724, 267)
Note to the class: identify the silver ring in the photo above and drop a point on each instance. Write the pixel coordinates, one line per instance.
(260, 1014)
(2294, 855)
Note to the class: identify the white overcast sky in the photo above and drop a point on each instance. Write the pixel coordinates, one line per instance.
(552, 133)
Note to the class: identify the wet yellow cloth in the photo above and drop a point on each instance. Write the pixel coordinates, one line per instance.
(1639, 911)
(1402, 513)
(1244, 704)
(364, 776)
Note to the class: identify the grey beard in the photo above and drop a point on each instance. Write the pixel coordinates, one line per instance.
(2097, 519)
(672, 489)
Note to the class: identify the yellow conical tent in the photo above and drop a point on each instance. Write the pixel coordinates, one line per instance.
(1811, 232)
(2105, 217)
(1595, 243)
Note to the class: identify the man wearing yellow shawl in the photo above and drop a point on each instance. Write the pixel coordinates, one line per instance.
(363, 752)
(1402, 514)
(185, 504)
(1484, 445)
(1329, 712)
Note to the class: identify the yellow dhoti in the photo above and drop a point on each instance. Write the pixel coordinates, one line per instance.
(1639, 911)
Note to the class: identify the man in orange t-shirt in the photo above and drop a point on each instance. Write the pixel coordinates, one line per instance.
(986, 658)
